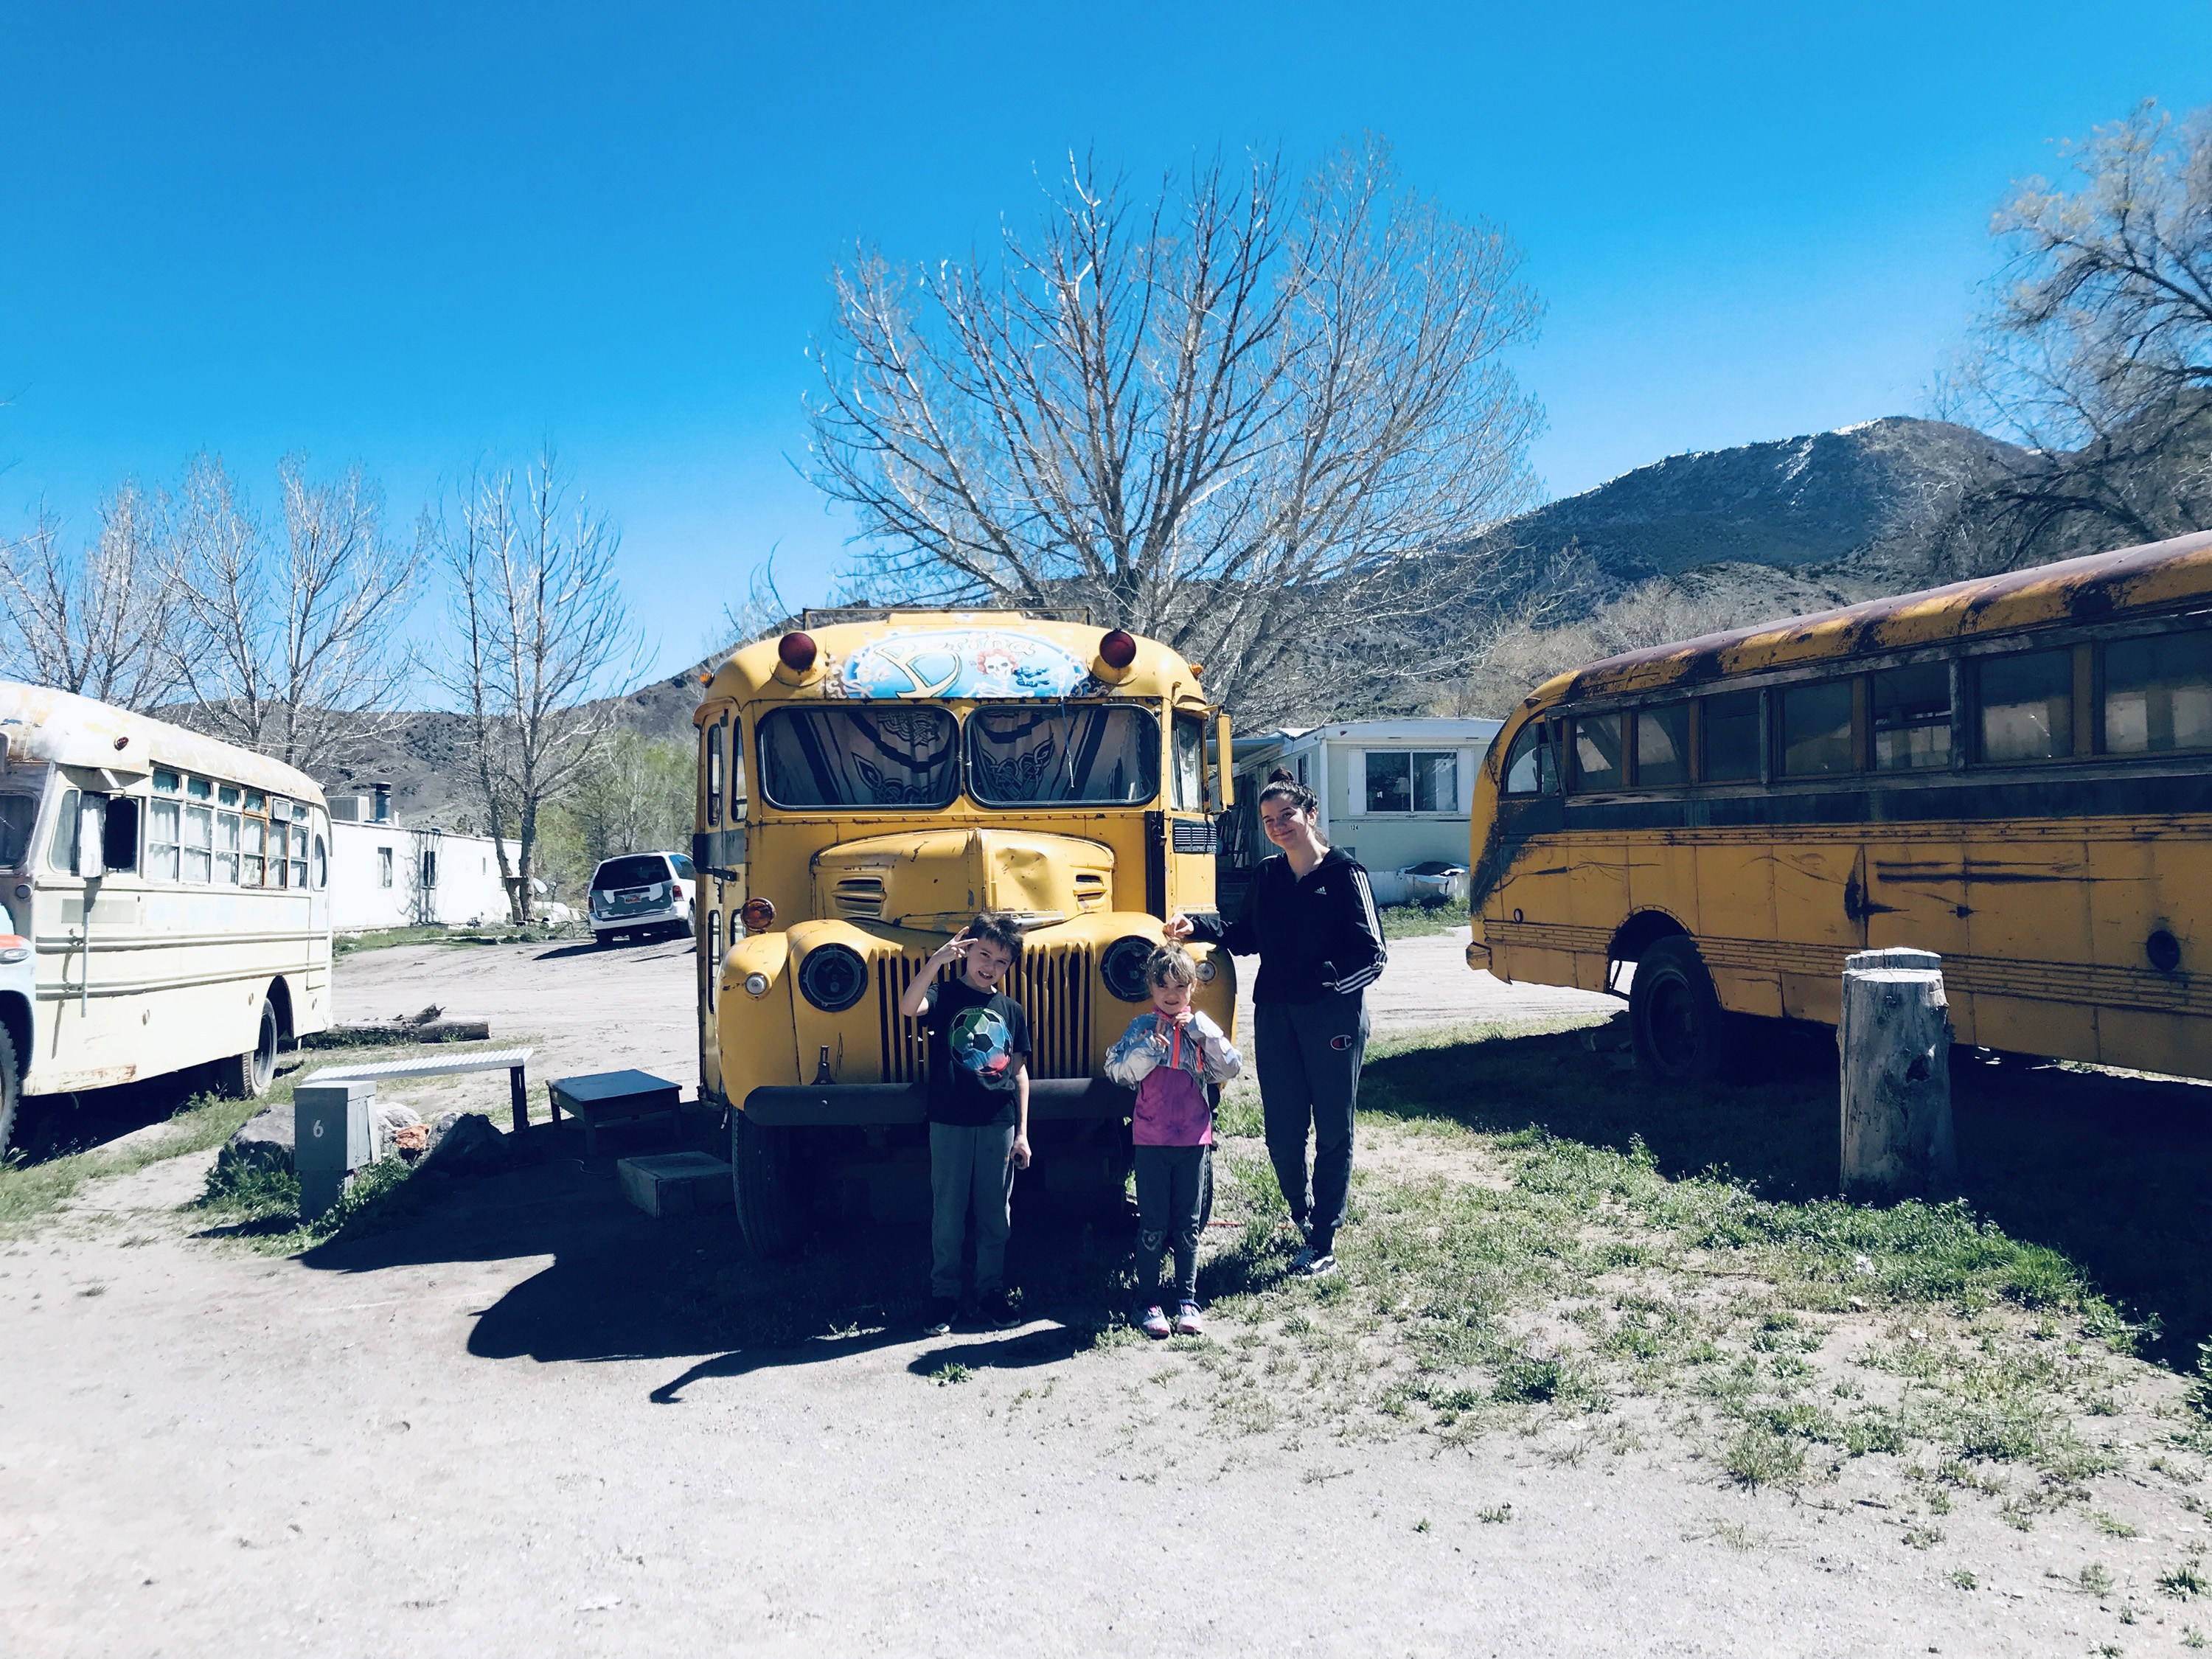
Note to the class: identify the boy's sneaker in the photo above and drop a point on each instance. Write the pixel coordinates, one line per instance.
(1188, 1323)
(998, 1310)
(1308, 1265)
(943, 1311)
(1155, 1323)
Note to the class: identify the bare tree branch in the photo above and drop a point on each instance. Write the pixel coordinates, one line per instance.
(103, 623)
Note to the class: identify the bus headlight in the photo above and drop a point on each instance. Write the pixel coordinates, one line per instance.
(756, 985)
(1122, 967)
(833, 977)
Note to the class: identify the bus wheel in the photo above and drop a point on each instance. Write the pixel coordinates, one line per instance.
(1675, 1015)
(11, 1087)
(764, 1170)
(246, 1076)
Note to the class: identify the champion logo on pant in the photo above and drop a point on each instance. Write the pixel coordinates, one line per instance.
(1340, 1043)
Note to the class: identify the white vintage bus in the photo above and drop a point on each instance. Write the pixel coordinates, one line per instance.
(165, 899)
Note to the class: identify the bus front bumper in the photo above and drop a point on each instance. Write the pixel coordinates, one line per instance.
(828, 1105)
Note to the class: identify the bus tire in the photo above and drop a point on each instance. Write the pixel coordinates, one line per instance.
(765, 1178)
(247, 1076)
(11, 1087)
(1675, 1015)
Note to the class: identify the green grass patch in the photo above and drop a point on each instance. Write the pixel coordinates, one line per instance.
(30, 1192)
(1418, 920)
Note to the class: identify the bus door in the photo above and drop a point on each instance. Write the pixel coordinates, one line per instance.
(93, 846)
(1181, 843)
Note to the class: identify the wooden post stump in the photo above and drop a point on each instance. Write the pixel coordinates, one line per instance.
(1894, 1041)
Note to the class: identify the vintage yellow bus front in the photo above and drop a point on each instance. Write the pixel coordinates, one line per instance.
(866, 787)
(2013, 772)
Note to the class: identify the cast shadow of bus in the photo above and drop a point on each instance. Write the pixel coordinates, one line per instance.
(622, 1286)
(2109, 1170)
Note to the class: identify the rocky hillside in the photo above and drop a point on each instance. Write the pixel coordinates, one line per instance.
(1827, 501)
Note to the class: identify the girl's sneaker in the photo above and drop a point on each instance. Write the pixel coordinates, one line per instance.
(1155, 1323)
(1188, 1323)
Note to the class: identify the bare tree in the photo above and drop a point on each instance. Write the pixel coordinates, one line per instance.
(1230, 417)
(296, 650)
(2095, 350)
(542, 639)
(103, 622)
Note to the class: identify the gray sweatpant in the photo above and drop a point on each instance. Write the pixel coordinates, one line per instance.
(1308, 1056)
(1170, 1195)
(969, 1170)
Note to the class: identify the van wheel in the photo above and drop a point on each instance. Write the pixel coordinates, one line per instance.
(247, 1076)
(765, 1173)
(1675, 1014)
(11, 1087)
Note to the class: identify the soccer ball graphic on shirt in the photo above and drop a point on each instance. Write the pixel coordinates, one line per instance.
(980, 1040)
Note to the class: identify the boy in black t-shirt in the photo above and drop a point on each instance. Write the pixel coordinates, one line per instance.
(978, 1109)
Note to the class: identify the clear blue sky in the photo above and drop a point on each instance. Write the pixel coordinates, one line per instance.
(422, 236)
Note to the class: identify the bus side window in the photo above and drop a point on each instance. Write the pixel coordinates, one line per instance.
(1911, 718)
(2028, 706)
(1816, 729)
(1597, 751)
(1531, 766)
(714, 772)
(63, 854)
(1728, 750)
(164, 844)
(1663, 745)
(2158, 694)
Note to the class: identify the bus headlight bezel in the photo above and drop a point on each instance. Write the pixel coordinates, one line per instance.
(817, 981)
(1121, 966)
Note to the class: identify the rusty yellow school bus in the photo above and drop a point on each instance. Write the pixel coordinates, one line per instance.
(2015, 772)
(866, 786)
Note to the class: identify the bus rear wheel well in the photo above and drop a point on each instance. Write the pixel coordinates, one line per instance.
(1642, 931)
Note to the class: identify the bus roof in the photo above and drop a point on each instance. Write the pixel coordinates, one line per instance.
(945, 655)
(2155, 576)
(43, 725)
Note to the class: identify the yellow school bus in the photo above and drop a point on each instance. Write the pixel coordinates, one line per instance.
(866, 785)
(164, 900)
(2015, 772)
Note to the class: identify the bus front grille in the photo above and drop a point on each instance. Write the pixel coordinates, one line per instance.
(1052, 982)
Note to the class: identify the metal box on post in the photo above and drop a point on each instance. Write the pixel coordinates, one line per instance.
(330, 1140)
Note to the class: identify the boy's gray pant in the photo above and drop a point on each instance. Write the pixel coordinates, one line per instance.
(1171, 1194)
(1309, 1055)
(969, 1170)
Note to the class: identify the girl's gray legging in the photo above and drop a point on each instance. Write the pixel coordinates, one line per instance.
(1308, 1056)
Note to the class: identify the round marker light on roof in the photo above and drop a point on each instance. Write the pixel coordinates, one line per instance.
(797, 652)
(1118, 648)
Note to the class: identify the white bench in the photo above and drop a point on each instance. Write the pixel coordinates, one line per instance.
(510, 1060)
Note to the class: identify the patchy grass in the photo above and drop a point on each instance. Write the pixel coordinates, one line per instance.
(262, 1207)
(30, 1191)
(1418, 921)
(382, 938)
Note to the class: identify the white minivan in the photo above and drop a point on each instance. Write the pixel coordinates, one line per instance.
(643, 893)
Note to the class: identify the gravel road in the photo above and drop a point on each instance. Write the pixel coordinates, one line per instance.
(492, 1430)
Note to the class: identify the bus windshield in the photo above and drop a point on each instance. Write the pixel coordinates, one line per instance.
(18, 812)
(1022, 753)
(893, 757)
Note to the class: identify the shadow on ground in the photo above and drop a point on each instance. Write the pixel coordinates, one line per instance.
(2110, 1170)
(622, 1286)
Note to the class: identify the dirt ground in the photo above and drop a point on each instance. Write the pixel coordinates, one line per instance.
(494, 1429)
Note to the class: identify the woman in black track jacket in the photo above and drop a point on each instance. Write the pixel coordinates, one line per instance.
(1309, 915)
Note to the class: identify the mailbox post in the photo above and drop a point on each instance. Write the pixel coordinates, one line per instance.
(330, 1140)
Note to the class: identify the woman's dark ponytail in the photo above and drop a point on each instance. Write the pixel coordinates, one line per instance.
(1281, 785)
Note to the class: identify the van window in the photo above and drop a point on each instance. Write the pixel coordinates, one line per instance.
(1663, 745)
(2158, 694)
(1531, 766)
(1596, 750)
(637, 870)
(1909, 710)
(1816, 729)
(2028, 706)
(897, 757)
(684, 869)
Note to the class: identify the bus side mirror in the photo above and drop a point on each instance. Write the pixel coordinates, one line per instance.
(1224, 768)
(91, 836)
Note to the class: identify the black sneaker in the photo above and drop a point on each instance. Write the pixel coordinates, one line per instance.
(943, 1311)
(998, 1311)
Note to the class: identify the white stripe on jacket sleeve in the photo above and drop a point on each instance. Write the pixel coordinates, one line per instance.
(1371, 921)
